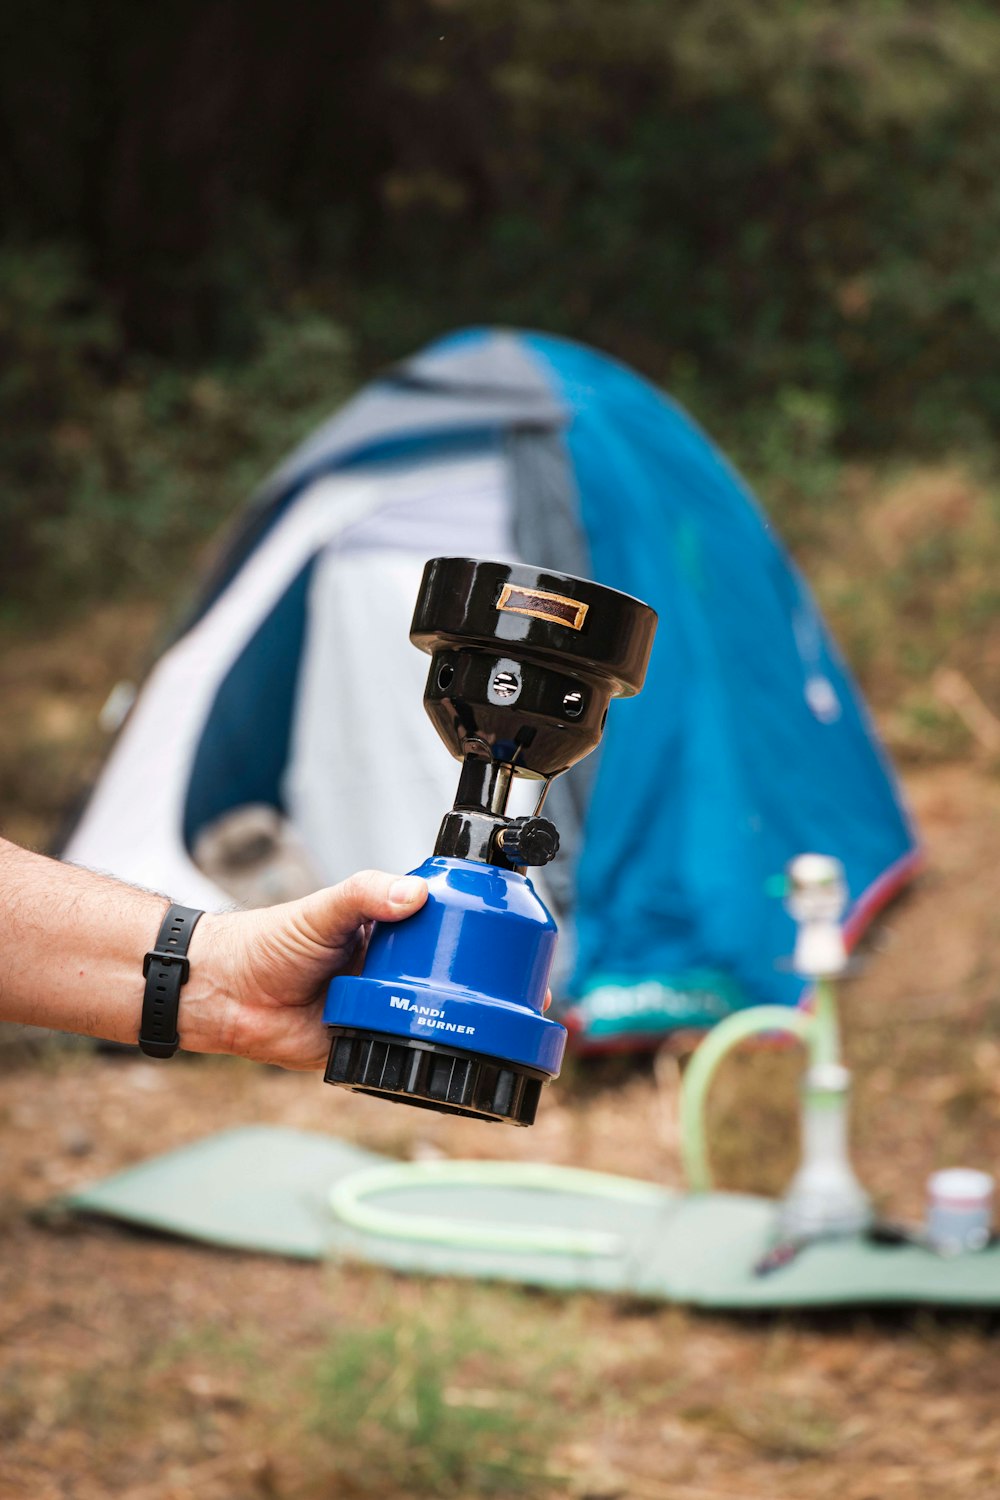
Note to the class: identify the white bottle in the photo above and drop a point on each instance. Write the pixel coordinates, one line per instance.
(825, 1198)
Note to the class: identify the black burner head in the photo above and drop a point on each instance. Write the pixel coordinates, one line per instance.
(525, 661)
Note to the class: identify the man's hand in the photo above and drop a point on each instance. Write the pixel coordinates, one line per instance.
(72, 944)
(258, 978)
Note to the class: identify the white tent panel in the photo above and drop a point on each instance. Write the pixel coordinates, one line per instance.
(357, 798)
(368, 778)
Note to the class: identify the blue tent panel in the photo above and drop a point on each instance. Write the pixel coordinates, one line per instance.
(750, 742)
(258, 690)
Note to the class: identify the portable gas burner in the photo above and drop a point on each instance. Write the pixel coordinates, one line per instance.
(447, 1012)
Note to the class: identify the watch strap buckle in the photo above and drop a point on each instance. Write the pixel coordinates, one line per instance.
(160, 956)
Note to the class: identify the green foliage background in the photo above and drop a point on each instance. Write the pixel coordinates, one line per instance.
(786, 211)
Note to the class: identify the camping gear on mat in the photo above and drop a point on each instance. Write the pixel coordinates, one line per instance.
(287, 1192)
(447, 1010)
(825, 1200)
(291, 684)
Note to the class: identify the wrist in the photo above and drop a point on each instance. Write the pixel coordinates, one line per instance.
(206, 1015)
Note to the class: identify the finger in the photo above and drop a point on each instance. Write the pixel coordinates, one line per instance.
(547, 1001)
(370, 896)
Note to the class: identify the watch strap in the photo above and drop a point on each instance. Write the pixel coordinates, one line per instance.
(166, 969)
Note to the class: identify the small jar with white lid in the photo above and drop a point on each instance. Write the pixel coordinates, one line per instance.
(959, 1210)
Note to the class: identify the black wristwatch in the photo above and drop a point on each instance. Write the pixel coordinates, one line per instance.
(166, 969)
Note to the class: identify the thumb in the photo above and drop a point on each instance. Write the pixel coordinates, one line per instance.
(336, 913)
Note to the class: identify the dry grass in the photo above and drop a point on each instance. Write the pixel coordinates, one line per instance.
(52, 687)
(907, 567)
(156, 1371)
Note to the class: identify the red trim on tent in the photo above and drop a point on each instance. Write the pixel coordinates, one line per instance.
(881, 892)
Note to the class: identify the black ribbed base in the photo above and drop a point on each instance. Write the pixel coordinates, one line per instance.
(433, 1077)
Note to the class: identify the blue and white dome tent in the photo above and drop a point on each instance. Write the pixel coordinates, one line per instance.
(293, 685)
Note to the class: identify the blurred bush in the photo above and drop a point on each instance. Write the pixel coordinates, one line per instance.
(747, 197)
(762, 203)
(784, 212)
(115, 465)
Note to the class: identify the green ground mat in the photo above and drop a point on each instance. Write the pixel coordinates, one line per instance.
(258, 1188)
(268, 1190)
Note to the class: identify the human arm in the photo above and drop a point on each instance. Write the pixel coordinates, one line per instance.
(72, 944)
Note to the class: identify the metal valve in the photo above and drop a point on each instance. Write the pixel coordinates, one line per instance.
(529, 841)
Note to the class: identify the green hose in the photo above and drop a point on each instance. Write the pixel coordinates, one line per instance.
(348, 1200)
(701, 1070)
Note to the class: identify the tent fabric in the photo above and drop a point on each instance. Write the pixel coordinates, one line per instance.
(442, 399)
(239, 724)
(763, 747)
(293, 682)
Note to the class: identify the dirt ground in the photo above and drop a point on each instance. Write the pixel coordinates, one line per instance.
(138, 1367)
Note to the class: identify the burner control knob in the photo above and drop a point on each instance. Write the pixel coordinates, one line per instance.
(529, 841)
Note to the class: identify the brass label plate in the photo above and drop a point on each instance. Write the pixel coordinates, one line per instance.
(543, 606)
